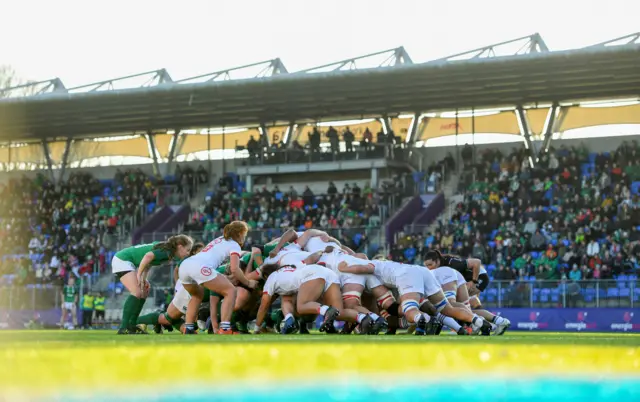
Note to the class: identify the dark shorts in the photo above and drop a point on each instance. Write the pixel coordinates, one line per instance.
(100, 314)
(121, 274)
(483, 282)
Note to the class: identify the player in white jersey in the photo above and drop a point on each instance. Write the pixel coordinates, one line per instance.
(452, 283)
(200, 270)
(434, 259)
(413, 283)
(353, 285)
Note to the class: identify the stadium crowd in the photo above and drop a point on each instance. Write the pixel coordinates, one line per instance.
(268, 213)
(49, 232)
(574, 216)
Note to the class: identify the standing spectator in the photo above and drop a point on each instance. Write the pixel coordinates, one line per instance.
(348, 140)
(87, 309)
(593, 248)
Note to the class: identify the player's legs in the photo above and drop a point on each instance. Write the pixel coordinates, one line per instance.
(443, 306)
(221, 285)
(133, 304)
(410, 305)
(498, 324)
(308, 293)
(74, 315)
(197, 293)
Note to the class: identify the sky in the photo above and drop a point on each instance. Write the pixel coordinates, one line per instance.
(83, 42)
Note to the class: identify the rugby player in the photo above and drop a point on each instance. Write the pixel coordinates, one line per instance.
(130, 265)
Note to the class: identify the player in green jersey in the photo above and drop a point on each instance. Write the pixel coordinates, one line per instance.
(70, 301)
(139, 258)
(172, 318)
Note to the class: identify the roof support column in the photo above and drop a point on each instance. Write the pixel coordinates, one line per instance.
(294, 134)
(153, 152)
(174, 150)
(412, 133)
(65, 158)
(286, 140)
(526, 133)
(549, 128)
(47, 157)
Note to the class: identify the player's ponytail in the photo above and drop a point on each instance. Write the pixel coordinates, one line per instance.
(195, 249)
(172, 243)
(236, 231)
(268, 269)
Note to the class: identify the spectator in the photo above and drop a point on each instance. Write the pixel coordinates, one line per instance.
(348, 140)
(575, 274)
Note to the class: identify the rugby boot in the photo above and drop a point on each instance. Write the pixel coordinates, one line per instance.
(501, 328)
(228, 331)
(289, 326)
(366, 325)
(421, 326)
(329, 318)
(302, 324)
(379, 325)
(348, 328)
(463, 331)
(485, 330)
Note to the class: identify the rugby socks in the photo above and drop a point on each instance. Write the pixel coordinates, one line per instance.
(323, 310)
(448, 321)
(190, 327)
(497, 320)
(177, 323)
(149, 319)
(360, 317)
(225, 325)
(286, 317)
(374, 316)
(128, 310)
(136, 313)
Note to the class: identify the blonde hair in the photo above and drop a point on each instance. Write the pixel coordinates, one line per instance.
(235, 230)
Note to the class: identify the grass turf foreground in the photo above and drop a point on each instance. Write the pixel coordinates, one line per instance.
(99, 365)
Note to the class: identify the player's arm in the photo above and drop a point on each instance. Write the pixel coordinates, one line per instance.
(302, 240)
(313, 258)
(288, 237)
(237, 273)
(144, 267)
(474, 264)
(355, 269)
(265, 303)
(213, 310)
(348, 250)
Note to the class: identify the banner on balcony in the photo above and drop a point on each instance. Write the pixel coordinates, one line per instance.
(573, 319)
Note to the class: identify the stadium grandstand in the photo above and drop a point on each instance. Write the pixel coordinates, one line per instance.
(526, 158)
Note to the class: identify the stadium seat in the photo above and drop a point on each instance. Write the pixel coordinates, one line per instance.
(613, 292)
(626, 292)
(555, 295)
(492, 244)
(535, 255)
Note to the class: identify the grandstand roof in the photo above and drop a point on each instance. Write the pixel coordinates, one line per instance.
(597, 72)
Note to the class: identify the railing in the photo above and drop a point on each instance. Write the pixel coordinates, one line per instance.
(562, 293)
(323, 154)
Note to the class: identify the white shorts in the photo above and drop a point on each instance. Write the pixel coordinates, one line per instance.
(446, 275)
(118, 265)
(294, 258)
(311, 272)
(68, 306)
(192, 272)
(368, 281)
(181, 299)
(429, 281)
(409, 280)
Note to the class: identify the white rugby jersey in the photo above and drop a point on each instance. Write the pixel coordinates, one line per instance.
(315, 244)
(334, 259)
(283, 282)
(388, 271)
(214, 253)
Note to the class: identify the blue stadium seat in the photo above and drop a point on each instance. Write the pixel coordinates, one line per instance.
(635, 187)
(490, 268)
(626, 292)
(492, 244)
(151, 207)
(357, 238)
(613, 292)
(535, 255)
(555, 295)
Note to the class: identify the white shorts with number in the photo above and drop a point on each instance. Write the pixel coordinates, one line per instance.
(368, 281)
(69, 306)
(118, 265)
(181, 299)
(310, 272)
(193, 272)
